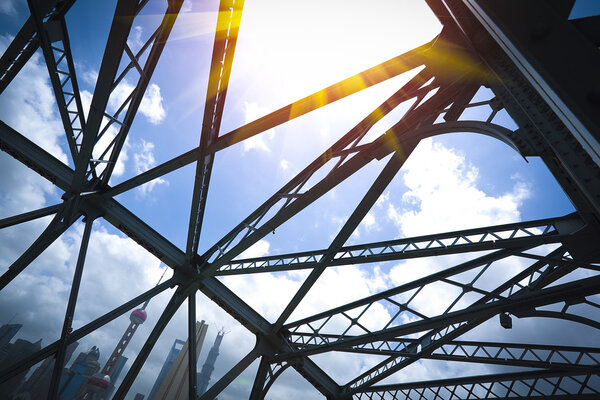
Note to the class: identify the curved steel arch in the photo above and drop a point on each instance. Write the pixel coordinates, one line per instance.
(496, 131)
(495, 54)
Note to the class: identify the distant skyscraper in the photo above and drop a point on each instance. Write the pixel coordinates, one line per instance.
(7, 332)
(101, 385)
(175, 349)
(12, 353)
(174, 386)
(36, 387)
(114, 375)
(85, 366)
(209, 364)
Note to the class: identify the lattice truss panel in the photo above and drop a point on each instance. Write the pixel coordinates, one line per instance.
(559, 277)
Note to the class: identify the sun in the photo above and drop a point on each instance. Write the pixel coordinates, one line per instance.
(287, 49)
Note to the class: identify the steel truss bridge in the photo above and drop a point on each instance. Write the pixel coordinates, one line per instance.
(543, 71)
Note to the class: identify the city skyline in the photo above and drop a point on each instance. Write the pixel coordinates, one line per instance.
(256, 208)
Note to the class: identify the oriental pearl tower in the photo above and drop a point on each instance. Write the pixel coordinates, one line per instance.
(99, 386)
(136, 318)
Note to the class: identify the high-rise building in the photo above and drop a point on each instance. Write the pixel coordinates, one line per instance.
(114, 375)
(7, 332)
(36, 386)
(12, 353)
(175, 349)
(101, 385)
(209, 364)
(85, 366)
(175, 385)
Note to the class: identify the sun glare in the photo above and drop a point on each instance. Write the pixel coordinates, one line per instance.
(291, 49)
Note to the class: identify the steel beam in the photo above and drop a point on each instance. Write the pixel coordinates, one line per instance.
(512, 354)
(61, 70)
(115, 45)
(34, 157)
(135, 98)
(539, 51)
(68, 321)
(26, 42)
(29, 216)
(381, 183)
(552, 385)
(507, 236)
(348, 86)
(57, 227)
(388, 143)
(572, 291)
(171, 308)
(228, 24)
(230, 375)
(28, 362)
(555, 121)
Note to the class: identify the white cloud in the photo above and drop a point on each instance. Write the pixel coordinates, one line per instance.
(28, 106)
(382, 199)
(369, 223)
(151, 105)
(134, 41)
(8, 7)
(143, 160)
(90, 77)
(258, 249)
(253, 111)
(186, 7)
(284, 164)
(443, 194)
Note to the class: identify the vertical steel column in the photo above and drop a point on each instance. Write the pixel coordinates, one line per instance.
(192, 334)
(67, 324)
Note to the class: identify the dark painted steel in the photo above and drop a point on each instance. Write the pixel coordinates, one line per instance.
(68, 321)
(26, 42)
(29, 216)
(57, 227)
(117, 40)
(228, 24)
(137, 95)
(493, 51)
(49, 33)
(368, 201)
(532, 385)
(514, 354)
(507, 236)
(192, 360)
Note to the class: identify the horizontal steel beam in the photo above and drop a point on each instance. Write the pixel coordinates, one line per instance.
(512, 354)
(507, 236)
(553, 385)
(572, 291)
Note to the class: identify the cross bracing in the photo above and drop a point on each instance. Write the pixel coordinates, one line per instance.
(482, 45)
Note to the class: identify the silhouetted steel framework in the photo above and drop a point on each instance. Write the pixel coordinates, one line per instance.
(543, 71)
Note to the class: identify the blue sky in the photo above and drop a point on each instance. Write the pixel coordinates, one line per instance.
(450, 182)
